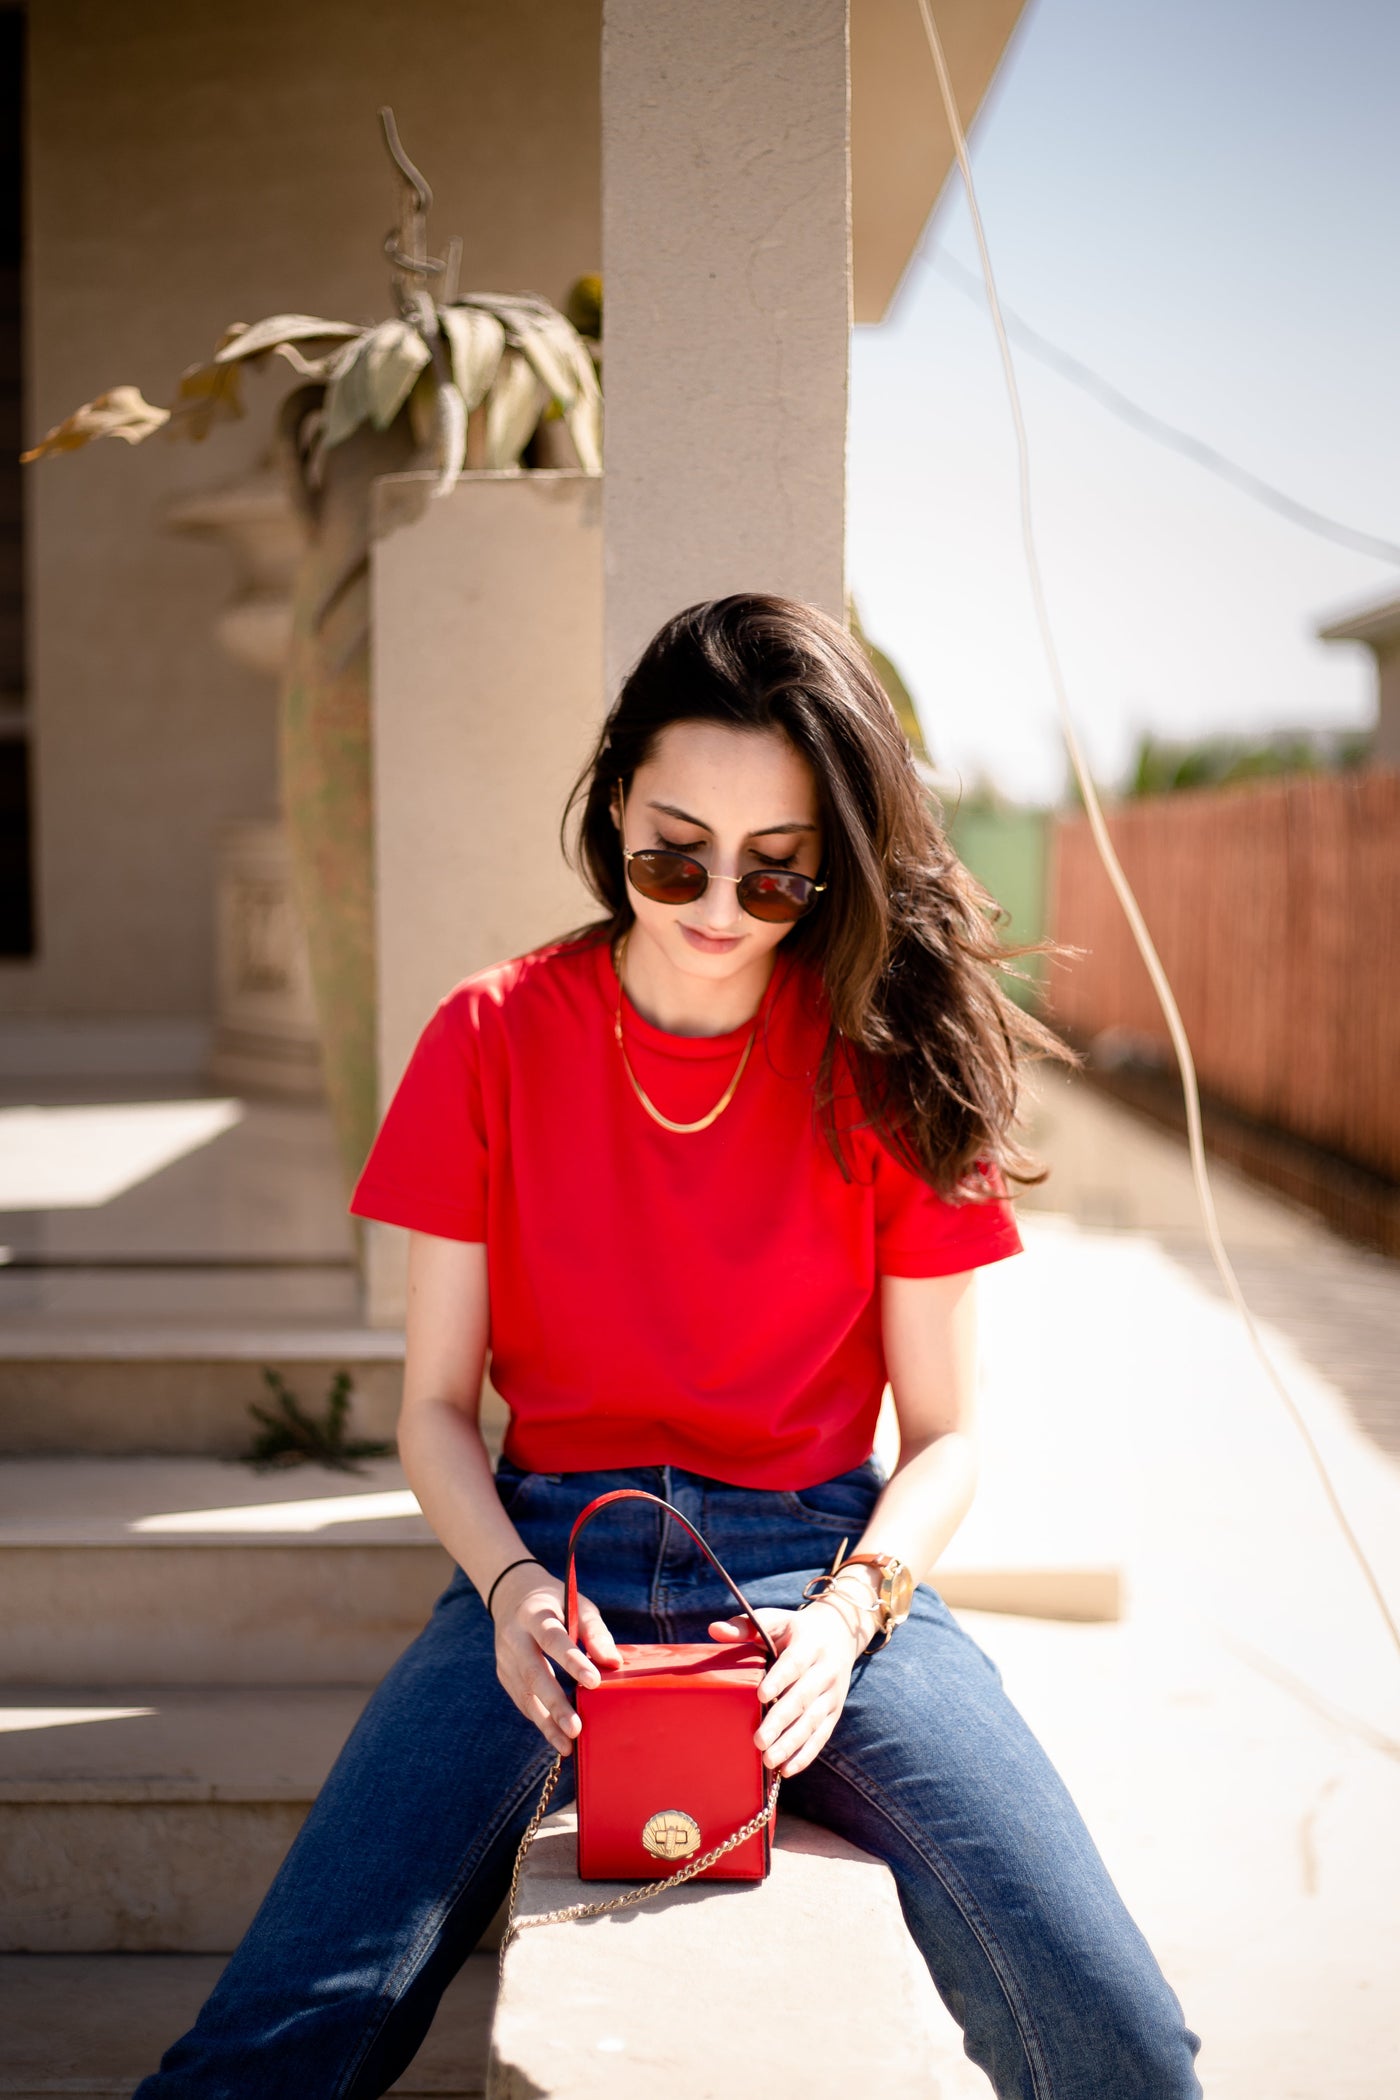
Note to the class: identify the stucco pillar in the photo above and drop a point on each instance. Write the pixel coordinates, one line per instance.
(727, 290)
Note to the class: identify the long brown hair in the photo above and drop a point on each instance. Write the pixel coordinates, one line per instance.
(905, 941)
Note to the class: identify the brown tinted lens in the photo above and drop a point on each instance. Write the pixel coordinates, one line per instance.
(667, 878)
(773, 894)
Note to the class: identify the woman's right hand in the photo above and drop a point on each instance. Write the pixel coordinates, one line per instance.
(529, 1612)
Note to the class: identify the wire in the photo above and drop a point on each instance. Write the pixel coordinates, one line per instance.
(1156, 427)
(1099, 829)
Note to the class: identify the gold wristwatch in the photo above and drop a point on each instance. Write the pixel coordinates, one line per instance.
(896, 1585)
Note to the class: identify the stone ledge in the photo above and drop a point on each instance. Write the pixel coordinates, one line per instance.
(610, 2006)
(1079, 1593)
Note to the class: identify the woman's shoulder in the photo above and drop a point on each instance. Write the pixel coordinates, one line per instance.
(525, 991)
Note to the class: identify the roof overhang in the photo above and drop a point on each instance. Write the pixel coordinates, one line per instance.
(1377, 625)
(901, 147)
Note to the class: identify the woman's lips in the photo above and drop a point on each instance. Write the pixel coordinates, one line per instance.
(709, 945)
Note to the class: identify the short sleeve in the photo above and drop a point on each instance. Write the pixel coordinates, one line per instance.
(427, 1168)
(920, 1233)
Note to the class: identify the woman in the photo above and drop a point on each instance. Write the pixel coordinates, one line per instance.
(703, 1176)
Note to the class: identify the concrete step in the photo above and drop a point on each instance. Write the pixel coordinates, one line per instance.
(193, 1571)
(96, 2024)
(120, 1388)
(151, 1818)
(197, 1571)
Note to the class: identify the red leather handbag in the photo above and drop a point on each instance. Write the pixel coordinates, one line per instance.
(666, 1764)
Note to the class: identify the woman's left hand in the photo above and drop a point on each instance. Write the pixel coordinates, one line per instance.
(806, 1688)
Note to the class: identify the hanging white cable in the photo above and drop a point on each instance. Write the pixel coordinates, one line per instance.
(1157, 427)
(1099, 830)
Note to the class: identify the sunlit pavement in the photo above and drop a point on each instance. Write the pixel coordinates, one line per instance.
(1234, 1742)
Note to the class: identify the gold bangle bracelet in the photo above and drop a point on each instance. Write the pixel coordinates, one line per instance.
(831, 1596)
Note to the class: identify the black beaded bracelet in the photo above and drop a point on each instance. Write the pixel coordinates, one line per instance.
(526, 1559)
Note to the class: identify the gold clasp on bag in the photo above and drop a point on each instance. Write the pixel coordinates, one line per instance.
(671, 1834)
(691, 1868)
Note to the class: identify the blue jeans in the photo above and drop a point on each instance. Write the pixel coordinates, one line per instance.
(407, 1851)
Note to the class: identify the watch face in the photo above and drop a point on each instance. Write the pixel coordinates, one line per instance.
(900, 1587)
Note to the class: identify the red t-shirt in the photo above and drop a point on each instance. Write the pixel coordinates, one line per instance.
(707, 1301)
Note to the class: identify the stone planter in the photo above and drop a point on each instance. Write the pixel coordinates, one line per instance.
(487, 693)
(324, 751)
(266, 1039)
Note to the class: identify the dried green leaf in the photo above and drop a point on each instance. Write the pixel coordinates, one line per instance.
(238, 341)
(506, 303)
(476, 339)
(585, 421)
(317, 368)
(206, 395)
(513, 408)
(121, 413)
(394, 360)
(451, 437)
(376, 380)
(561, 361)
(396, 354)
(548, 342)
(347, 394)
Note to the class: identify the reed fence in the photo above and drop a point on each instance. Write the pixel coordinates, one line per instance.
(1275, 907)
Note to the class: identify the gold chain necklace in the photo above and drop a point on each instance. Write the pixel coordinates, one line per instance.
(650, 1106)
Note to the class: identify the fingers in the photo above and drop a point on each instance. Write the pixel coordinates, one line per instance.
(533, 1638)
(804, 1692)
(552, 1635)
(798, 1760)
(787, 1670)
(776, 1623)
(594, 1634)
(534, 1688)
(816, 1688)
(552, 1714)
(793, 1744)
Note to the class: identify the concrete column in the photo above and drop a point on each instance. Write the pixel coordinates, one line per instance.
(727, 287)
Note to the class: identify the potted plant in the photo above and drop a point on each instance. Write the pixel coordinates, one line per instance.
(452, 380)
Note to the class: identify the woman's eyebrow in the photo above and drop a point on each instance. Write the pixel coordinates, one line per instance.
(668, 809)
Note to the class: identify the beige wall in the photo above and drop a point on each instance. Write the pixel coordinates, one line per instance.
(726, 252)
(192, 166)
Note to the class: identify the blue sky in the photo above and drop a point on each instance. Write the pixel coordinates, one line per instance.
(1200, 202)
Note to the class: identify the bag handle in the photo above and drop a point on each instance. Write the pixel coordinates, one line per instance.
(641, 1495)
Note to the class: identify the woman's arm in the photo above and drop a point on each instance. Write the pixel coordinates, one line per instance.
(929, 1325)
(447, 1465)
(930, 1337)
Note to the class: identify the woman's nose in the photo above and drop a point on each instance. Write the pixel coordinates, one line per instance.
(720, 908)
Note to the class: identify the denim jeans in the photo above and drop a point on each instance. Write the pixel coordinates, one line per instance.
(407, 1851)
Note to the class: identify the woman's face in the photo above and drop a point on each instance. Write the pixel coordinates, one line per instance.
(735, 799)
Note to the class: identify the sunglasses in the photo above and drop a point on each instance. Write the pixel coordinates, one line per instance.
(777, 895)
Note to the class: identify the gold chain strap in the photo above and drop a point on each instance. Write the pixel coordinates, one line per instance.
(637, 1895)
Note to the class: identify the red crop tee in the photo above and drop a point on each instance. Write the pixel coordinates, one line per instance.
(707, 1301)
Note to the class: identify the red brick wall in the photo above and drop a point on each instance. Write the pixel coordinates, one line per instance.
(1275, 907)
